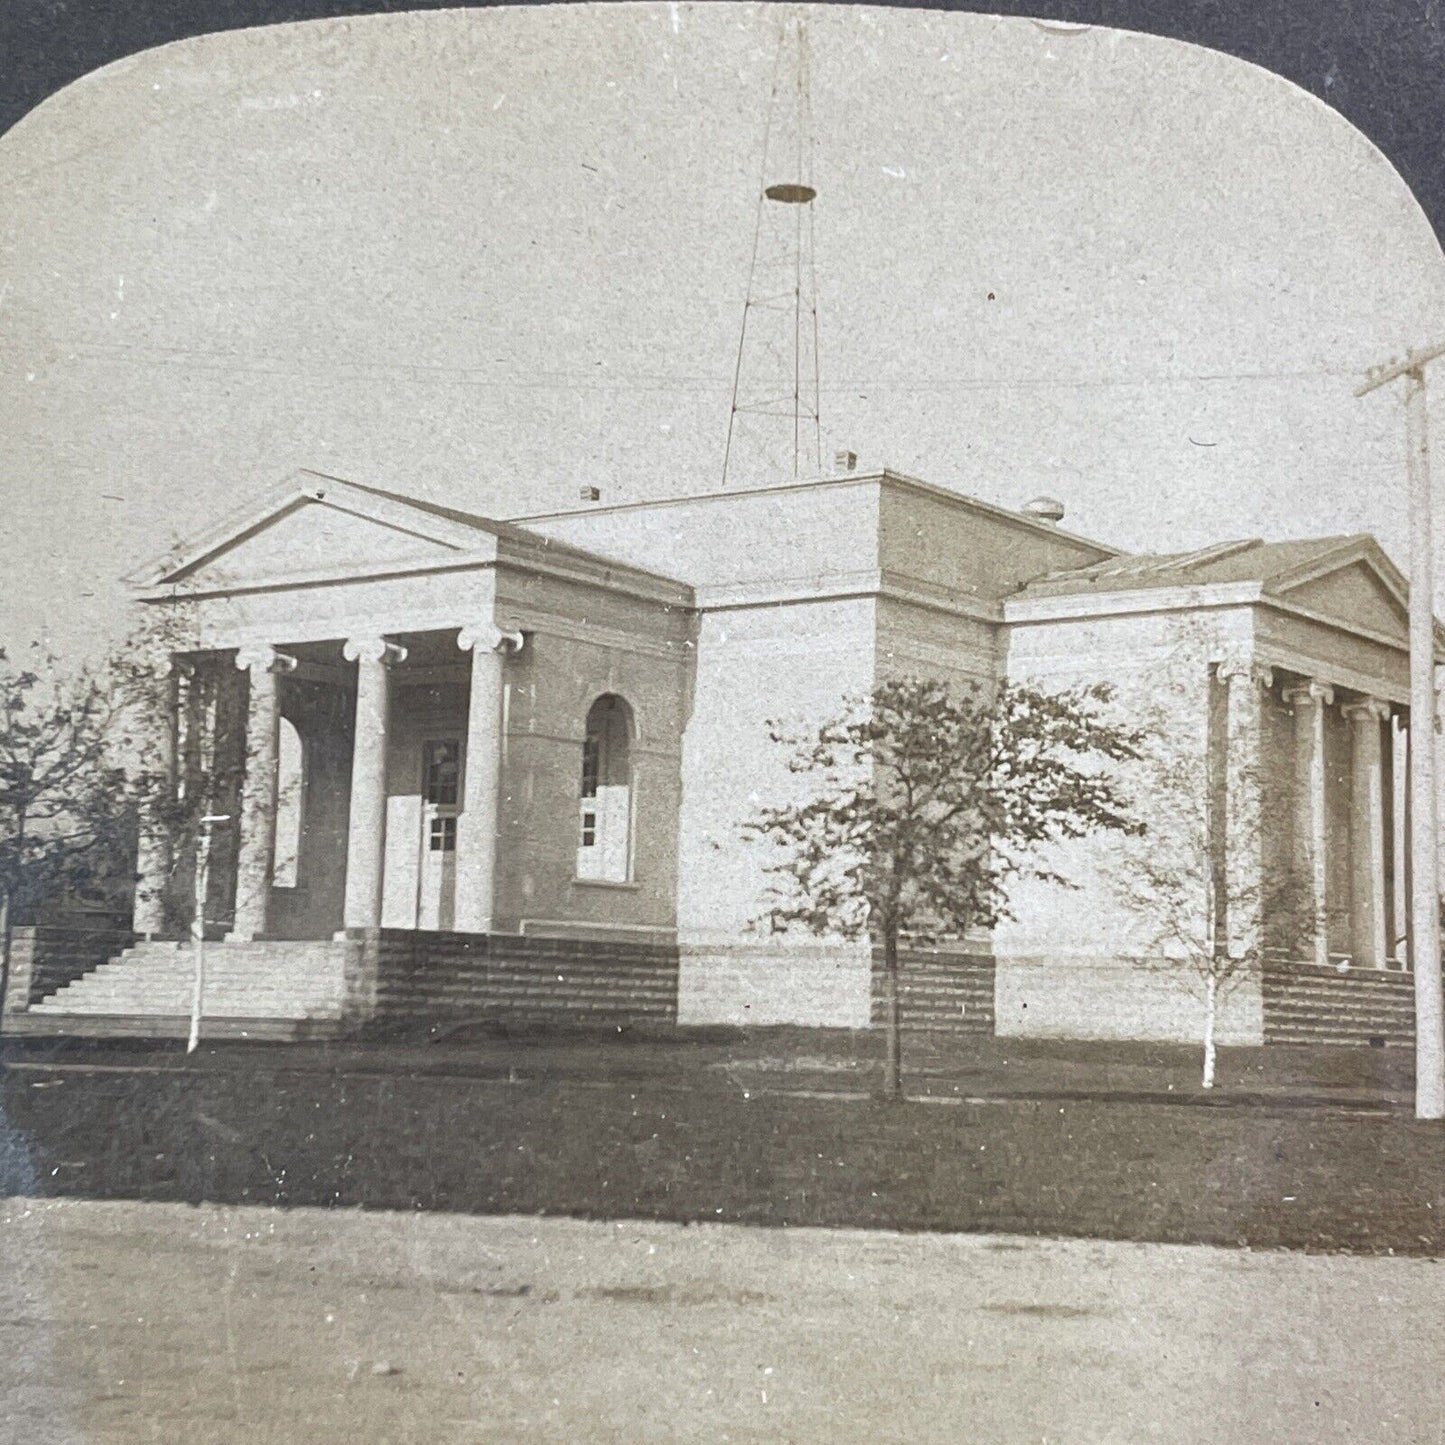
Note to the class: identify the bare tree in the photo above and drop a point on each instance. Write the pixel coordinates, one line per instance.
(1204, 892)
(924, 802)
(67, 805)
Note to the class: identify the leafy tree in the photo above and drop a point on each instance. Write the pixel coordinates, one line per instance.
(923, 802)
(67, 806)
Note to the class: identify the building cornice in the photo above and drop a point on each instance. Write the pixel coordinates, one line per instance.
(642, 586)
(869, 583)
(1210, 596)
(1072, 606)
(879, 479)
(1331, 673)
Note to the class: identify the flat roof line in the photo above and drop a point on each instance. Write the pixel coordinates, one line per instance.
(853, 479)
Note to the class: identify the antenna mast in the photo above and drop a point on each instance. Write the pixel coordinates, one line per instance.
(774, 423)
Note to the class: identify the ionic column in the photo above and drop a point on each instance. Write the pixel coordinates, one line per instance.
(1309, 700)
(476, 861)
(1368, 905)
(1244, 861)
(153, 850)
(366, 825)
(256, 845)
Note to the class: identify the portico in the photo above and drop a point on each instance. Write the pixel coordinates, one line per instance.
(367, 707)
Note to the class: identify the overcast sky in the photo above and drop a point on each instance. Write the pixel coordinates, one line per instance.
(485, 256)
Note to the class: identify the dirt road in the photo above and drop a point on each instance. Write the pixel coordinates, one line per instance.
(126, 1322)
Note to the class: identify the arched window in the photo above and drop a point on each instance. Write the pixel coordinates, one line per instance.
(290, 805)
(604, 849)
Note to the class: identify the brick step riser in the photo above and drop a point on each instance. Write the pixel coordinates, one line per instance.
(645, 988)
(1341, 993)
(481, 969)
(1373, 1023)
(176, 1027)
(940, 1001)
(526, 991)
(1300, 1008)
(1274, 1024)
(171, 1003)
(172, 985)
(535, 1001)
(1367, 1005)
(141, 1002)
(1367, 990)
(1338, 1041)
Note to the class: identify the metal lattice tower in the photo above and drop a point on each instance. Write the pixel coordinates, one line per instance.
(774, 427)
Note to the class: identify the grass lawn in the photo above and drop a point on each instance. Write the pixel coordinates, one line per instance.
(720, 1151)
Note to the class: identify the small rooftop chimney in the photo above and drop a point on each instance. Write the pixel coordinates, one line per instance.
(590, 494)
(1045, 509)
(845, 461)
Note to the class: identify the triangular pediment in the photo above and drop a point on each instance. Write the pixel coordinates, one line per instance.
(1359, 587)
(319, 527)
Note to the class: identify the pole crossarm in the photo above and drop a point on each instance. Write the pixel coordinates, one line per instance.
(1386, 372)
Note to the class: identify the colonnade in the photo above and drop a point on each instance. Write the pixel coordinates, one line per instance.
(375, 656)
(1374, 845)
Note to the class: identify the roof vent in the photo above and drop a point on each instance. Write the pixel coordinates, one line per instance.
(1045, 509)
(590, 494)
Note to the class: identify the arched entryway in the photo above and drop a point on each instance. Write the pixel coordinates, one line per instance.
(604, 846)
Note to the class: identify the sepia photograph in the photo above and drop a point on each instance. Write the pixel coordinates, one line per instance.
(718, 722)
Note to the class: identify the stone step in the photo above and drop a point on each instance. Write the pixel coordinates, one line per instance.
(289, 982)
(529, 986)
(129, 984)
(142, 999)
(1304, 1008)
(1382, 979)
(176, 1026)
(167, 1008)
(1321, 991)
(495, 974)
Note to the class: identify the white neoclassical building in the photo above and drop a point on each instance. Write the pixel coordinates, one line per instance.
(482, 768)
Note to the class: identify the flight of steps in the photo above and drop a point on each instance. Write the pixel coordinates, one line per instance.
(939, 993)
(1305, 1003)
(448, 977)
(272, 990)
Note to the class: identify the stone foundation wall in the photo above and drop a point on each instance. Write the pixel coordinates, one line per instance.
(451, 977)
(1089, 997)
(765, 984)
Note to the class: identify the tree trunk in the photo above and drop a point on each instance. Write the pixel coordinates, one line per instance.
(893, 1067)
(7, 934)
(1211, 1009)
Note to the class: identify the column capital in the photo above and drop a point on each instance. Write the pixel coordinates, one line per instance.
(259, 657)
(488, 637)
(1244, 669)
(372, 649)
(1310, 691)
(161, 665)
(1367, 709)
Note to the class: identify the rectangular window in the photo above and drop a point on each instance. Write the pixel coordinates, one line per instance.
(443, 835)
(591, 765)
(441, 772)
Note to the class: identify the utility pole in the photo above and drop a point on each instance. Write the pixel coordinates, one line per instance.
(1424, 841)
(198, 926)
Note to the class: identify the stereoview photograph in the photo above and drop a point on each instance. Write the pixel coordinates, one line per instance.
(717, 722)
